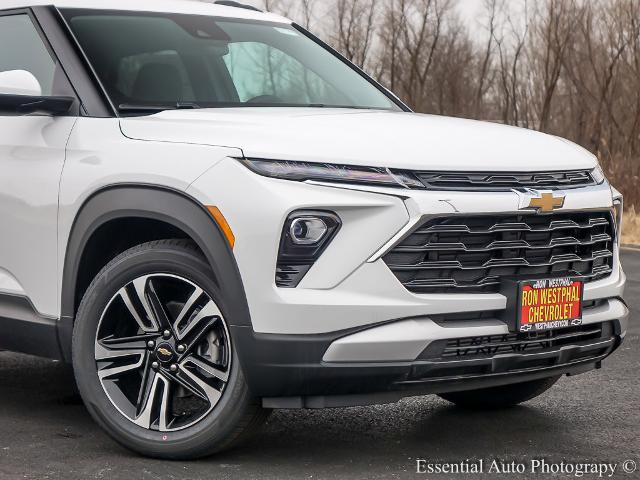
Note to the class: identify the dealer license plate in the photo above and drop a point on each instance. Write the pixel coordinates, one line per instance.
(549, 304)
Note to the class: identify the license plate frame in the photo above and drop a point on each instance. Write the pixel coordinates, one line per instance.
(543, 304)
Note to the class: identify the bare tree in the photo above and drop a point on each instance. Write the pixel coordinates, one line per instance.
(307, 12)
(554, 24)
(512, 94)
(354, 27)
(492, 8)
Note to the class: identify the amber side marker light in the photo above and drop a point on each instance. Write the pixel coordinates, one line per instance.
(223, 224)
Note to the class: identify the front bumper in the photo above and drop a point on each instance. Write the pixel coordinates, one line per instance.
(290, 371)
(351, 327)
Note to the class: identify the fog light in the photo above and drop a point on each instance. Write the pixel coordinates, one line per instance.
(305, 236)
(308, 231)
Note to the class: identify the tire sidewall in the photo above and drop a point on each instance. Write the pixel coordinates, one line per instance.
(210, 431)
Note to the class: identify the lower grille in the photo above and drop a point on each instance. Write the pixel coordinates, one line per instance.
(471, 253)
(474, 347)
(498, 354)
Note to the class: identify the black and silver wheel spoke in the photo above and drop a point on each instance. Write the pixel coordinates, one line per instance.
(207, 367)
(199, 387)
(155, 405)
(163, 352)
(136, 342)
(189, 385)
(160, 315)
(199, 323)
(187, 311)
(145, 385)
(135, 298)
(203, 378)
(120, 358)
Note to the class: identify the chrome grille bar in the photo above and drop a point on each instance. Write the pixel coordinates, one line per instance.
(505, 181)
(506, 244)
(517, 227)
(516, 262)
(489, 281)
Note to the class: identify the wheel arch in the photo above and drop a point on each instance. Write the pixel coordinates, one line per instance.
(170, 207)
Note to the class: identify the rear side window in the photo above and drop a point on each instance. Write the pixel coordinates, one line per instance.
(21, 48)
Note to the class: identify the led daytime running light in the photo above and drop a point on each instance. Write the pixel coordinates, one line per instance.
(326, 172)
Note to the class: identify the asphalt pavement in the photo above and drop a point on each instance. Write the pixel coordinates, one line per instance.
(45, 432)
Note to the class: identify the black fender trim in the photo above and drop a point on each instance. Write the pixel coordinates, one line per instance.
(24, 330)
(156, 203)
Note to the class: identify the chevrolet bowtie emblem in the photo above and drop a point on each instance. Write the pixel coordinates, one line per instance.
(547, 202)
(164, 351)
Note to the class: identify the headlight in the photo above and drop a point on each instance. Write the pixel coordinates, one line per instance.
(327, 172)
(598, 175)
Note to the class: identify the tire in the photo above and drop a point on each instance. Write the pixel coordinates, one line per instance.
(143, 320)
(500, 397)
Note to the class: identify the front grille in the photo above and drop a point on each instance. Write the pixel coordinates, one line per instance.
(505, 181)
(471, 253)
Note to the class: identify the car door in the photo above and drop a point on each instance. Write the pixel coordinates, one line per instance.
(32, 154)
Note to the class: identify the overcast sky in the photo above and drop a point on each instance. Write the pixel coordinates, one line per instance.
(472, 12)
(469, 8)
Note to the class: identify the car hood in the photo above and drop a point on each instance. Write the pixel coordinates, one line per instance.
(364, 137)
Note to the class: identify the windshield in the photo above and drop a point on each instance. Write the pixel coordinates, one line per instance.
(151, 61)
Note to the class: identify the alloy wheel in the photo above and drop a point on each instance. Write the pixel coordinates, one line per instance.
(163, 352)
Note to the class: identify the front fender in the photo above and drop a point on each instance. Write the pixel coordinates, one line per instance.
(149, 202)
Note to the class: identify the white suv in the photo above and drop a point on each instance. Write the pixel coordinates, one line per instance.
(212, 214)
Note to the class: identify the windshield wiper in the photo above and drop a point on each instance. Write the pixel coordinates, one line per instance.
(131, 108)
(142, 109)
(349, 107)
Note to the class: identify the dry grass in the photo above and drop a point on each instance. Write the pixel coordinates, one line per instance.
(631, 227)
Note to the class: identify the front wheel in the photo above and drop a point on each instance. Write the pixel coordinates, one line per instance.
(500, 397)
(154, 359)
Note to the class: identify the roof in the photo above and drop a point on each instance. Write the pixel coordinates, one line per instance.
(194, 7)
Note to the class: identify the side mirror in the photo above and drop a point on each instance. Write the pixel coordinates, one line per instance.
(21, 94)
(19, 82)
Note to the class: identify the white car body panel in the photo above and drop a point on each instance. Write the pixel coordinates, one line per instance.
(99, 156)
(32, 155)
(355, 137)
(9, 285)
